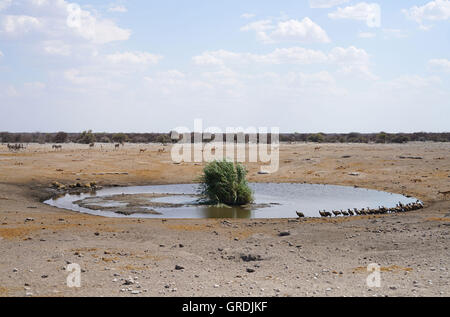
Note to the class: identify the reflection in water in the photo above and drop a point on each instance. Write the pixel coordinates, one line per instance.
(220, 212)
(271, 201)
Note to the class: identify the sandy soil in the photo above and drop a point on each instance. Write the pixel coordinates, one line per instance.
(132, 257)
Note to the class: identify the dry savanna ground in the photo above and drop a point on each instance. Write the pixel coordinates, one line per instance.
(136, 257)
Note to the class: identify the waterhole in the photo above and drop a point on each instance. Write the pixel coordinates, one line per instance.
(272, 200)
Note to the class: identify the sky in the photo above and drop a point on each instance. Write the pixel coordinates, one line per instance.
(152, 66)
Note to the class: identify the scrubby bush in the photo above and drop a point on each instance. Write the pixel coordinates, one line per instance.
(104, 139)
(60, 137)
(86, 137)
(381, 137)
(120, 138)
(225, 182)
(163, 138)
(317, 138)
(400, 139)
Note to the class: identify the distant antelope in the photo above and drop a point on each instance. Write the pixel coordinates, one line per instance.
(445, 194)
(317, 148)
(116, 146)
(91, 145)
(57, 147)
(142, 150)
(162, 150)
(15, 147)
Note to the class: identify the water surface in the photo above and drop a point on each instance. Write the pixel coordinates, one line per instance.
(272, 200)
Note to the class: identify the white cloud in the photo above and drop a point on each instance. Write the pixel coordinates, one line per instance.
(118, 8)
(368, 12)
(5, 4)
(304, 31)
(16, 24)
(442, 65)
(294, 55)
(217, 58)
(11, 91)
(395, 33)
(314, 81)
(352, 60)
(248, 15)
(36, 85)
(323, 4)
(98, 31)
(349, 60)
(133, 58)
(56, 48)
(366, 35)
(432, 11)
(412, 82)
(258, 26)
(75, 76)
(61, 20)
(301, 31)
(40, 2)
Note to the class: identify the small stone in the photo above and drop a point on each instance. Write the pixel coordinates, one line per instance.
(284, 234)
(178, 267)
(249, 270)
(128, 281)
(15, 270)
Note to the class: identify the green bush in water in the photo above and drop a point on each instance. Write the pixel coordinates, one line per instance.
(224, 182)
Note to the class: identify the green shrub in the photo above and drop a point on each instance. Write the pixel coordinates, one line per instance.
(400, 139)
(60, 137)
(316, 138)
(163, 138)
(86, 137)
(381, 137)
(105, 139)
(120, 138)
(225, 183)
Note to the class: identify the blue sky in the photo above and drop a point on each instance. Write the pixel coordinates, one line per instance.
(300, 65)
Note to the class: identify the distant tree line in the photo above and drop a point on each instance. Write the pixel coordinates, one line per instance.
(355, 137)
(87, 137)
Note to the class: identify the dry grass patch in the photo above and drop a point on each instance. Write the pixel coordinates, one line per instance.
(392, 269)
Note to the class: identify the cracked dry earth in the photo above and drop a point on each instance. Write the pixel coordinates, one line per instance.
(214, 257)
